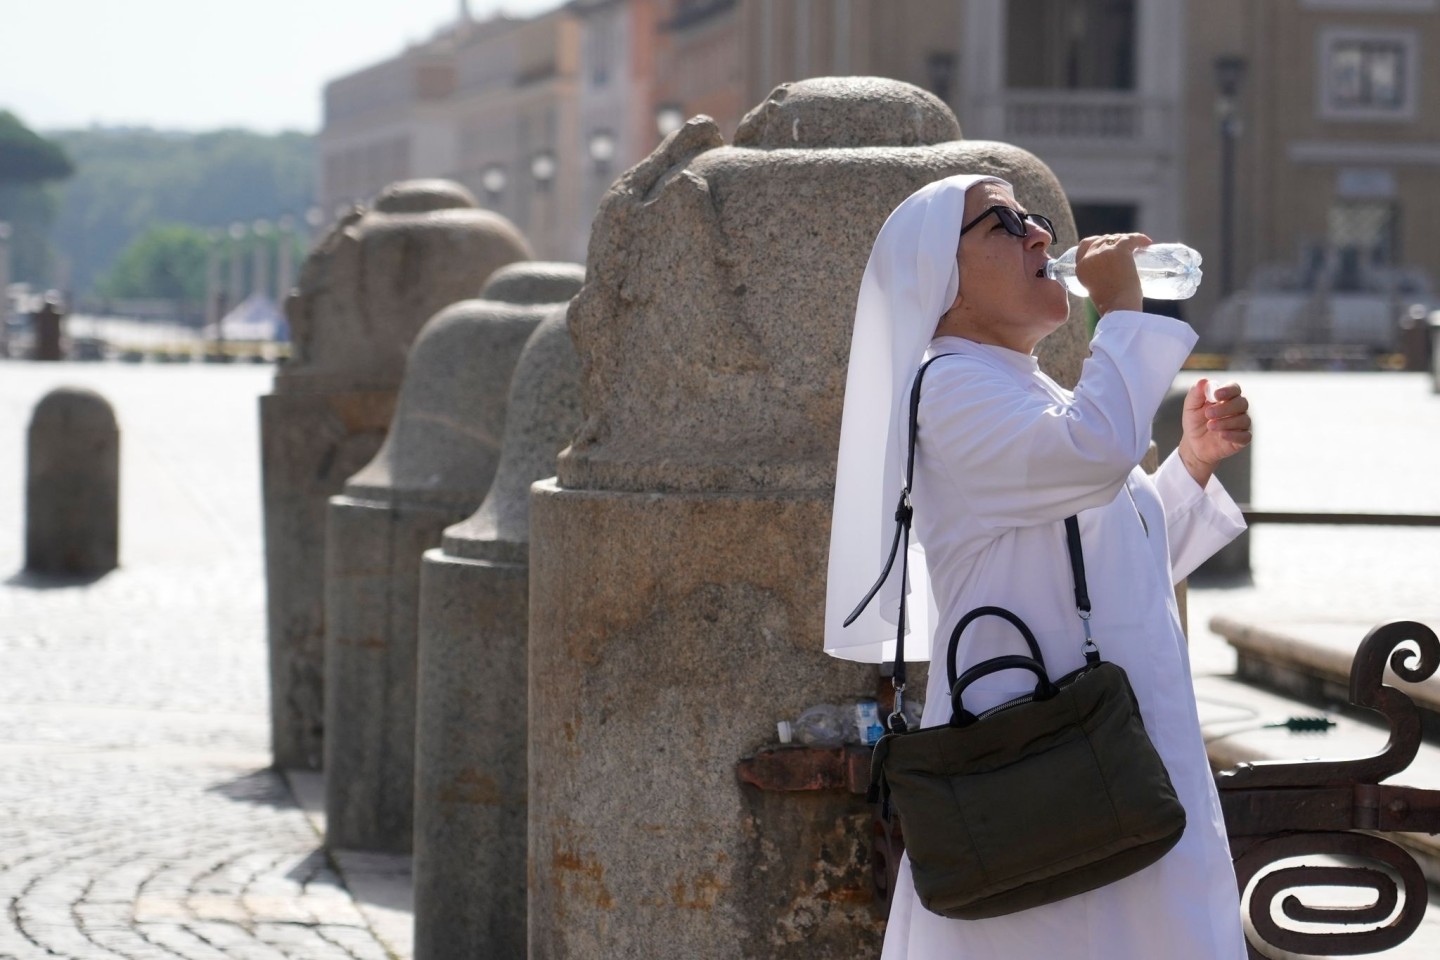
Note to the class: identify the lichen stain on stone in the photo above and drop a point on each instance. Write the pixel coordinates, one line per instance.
(851, 893)
(578, 879)
(700, 893)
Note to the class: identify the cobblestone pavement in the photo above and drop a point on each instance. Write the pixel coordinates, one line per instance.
(137, 817)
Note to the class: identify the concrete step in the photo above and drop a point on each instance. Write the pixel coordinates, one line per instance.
(1232, 717)
(1311, 660)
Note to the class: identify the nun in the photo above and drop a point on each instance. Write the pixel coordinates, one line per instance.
(1004, 455)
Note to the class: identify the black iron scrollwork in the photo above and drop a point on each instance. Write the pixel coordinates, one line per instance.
(1279, 810)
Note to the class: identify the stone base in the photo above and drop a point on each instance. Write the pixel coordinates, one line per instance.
(310, 443)
(372, 595)
(668, 634)
(470, 764)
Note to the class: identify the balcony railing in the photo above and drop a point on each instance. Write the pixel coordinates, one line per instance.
(1101, 118)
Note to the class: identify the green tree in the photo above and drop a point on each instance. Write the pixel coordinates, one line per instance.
(27, 157)
(29, 164)
(129, 179)
(166, 262)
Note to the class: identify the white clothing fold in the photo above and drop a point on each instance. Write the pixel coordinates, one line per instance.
(910, 281)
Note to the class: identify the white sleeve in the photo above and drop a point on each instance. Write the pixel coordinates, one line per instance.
(1017, 457)
(1198, 520)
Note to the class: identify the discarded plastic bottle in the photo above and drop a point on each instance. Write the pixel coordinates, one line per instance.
(1168, 271)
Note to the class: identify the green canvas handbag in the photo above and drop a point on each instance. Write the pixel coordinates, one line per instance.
(1040, 798)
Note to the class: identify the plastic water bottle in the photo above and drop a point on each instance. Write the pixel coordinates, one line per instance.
(1168, 271)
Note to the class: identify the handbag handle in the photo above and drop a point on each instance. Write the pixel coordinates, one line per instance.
(1044, 690)
(976, 614)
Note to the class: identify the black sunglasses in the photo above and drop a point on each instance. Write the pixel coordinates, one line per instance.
(1014, 222)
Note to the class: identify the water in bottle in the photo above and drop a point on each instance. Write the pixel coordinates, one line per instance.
(1168, 271)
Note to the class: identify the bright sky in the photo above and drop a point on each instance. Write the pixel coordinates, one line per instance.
(202, 64)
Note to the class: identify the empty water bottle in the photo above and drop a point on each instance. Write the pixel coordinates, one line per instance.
(1168, 271)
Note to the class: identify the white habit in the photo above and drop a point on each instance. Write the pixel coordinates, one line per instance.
(1004, 455)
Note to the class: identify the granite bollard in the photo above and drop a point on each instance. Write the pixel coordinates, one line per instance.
(49, 325)
(470, 772)
(678, 559)
(363, 294)
(433, 469)
(72, 485)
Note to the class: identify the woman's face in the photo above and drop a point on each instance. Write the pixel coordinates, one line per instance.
(1004, 298)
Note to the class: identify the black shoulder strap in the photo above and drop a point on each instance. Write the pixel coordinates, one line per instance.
(900, 544)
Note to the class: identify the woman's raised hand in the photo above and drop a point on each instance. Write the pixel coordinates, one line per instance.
(1211, 430)
(1105, 265)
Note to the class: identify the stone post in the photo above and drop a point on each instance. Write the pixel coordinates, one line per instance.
(48, 324)
(677, 581)
(470, 737)
(72, 485)
(363, 294)
(434, 468)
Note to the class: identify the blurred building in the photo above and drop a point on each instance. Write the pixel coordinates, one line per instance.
(516, 112)
(700, 64)
(1332, 145)
(1093, 87)
(388, 122)
(490, 104)
(1280, 135)
(618, 49)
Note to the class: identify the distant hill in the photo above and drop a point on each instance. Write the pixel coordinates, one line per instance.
(128, 179)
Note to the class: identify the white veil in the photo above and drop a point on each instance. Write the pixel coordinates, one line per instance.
(910, 281)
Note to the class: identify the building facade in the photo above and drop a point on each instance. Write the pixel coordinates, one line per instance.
(390, 121)
(618, 48)
(515, 111)
(1285, 132)
(1334, 140)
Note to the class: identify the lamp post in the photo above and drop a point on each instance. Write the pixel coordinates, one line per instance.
(284, 260)
(542, 168)
(212, 276)
(314, 222)
(602, 151)
(1229, 74)
(260, 282)
(493, 180)
(669, 118)
(237, 284)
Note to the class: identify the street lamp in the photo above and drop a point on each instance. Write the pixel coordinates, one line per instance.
(260, 272)
(542, 168)
(669, 118)
(493, 180)
(602, 150)
(1229, 75)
